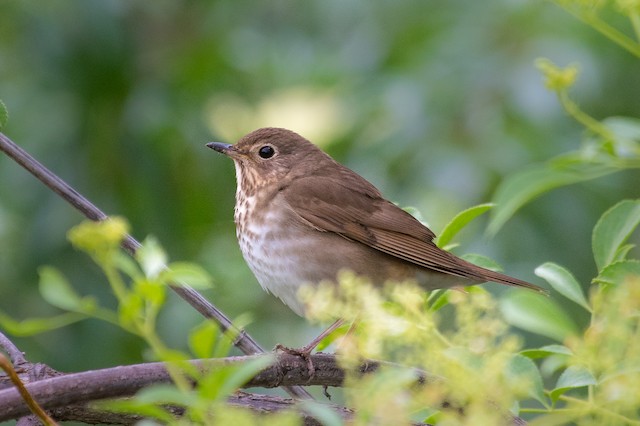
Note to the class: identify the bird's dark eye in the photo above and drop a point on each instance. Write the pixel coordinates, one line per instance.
(266, 151)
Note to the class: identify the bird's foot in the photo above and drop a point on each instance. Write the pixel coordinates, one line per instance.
(303, 352)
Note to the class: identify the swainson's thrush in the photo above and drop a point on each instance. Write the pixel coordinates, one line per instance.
(301, 217)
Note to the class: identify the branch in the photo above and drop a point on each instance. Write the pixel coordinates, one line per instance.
(15, 354)
(123, 381)
(243, 341)
(259, 404)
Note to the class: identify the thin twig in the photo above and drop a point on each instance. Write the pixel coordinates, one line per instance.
(16, 355)
(244, 341)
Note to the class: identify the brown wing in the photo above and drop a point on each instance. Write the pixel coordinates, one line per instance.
(350, 206)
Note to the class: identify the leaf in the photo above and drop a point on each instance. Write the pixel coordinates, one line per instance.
(625, 129)
(521, 369)
(547, 350)
(134, 406)
(461, 220)
(563, 282)
(484, 261)
(202, 339)
(4, 114)
(571, 378)
(32, 326)
(537, 314)
(163, 394)
(522, 187)
(194, 275)
(333, 336)
(438, 299)
(56, 290)
(244, 373)
(126, 264)
(321, 412)
(152, 257)
(617, 272)
(612, 230)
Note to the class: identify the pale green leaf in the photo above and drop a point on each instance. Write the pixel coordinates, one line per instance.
(537, 314)
(245, 372)
(152, 257)
(617, 272)
(56, 290)
(32, 326)
(484, 261)
(203, 338)
(612, 230)
(522, 369)
(134, 406)
(625, 129)
(547, 350)
(522, 187)
(188, 273)
(461, 220)
(563, 282)
(165, 394)
(571, 378)
(321, 412)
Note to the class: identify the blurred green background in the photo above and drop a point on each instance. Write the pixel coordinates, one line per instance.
(434, 102)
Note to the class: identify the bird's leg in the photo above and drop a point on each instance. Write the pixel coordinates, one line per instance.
(306, 350)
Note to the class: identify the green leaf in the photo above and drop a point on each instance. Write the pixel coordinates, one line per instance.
(484, 261)
(32, 326)
(333, 336)
(202, 339)
(245, 372)
(56, 290)
(625, 129)
(151, 257)
(537, 314)
(522, 187)
(321, 412)
(162, 394)
(571, 378)
(126, 264)
(188, 273)
(438, 299)
(612, 230)
(136, 407)
(521, 369)
(563, 282)
(547, 350)
(4, 114)
(617, 272)
(461, 220)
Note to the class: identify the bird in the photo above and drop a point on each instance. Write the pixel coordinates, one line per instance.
(301, 218)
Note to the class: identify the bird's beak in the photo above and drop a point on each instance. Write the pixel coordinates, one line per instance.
(222, 148)
(219, 147)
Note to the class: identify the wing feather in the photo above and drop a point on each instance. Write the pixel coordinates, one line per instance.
(353, 208)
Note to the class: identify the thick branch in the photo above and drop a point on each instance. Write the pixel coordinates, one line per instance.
(123, 381)
(244, 341)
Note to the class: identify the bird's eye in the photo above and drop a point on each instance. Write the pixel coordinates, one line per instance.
(266, 151)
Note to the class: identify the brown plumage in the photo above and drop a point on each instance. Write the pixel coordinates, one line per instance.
(301, 217)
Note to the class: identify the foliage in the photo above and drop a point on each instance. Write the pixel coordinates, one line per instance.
(476, 362)
(610, 145)
(143, 99)
(140, 288)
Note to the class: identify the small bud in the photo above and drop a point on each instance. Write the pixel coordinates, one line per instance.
(556, 78)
